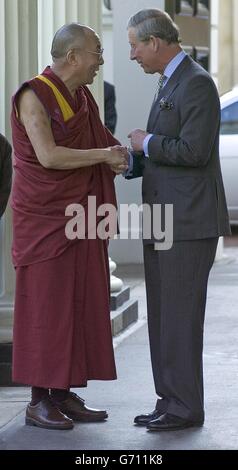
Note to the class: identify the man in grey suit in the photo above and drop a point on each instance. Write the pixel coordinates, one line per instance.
(178, 157)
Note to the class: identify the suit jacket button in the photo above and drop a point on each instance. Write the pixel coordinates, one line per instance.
(156, 193)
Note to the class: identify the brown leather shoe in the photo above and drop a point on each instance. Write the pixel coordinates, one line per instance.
(75, 409)
(46, 415)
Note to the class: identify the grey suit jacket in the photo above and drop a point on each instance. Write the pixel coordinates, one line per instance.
(183, 167)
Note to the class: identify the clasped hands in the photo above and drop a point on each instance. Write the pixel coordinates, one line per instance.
(118, 159)
(119, 156)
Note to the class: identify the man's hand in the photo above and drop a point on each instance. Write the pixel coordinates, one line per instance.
(119, 169)
(137, 137)
(118, 159)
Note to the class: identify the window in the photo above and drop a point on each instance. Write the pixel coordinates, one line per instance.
(229, 119)
(107, 4)
(184, 7)
(192, 7)
(189, 50)
(202, 9)
(202, 56)
(206, 3)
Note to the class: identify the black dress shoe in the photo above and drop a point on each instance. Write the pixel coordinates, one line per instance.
(168, 422)
(143, 420)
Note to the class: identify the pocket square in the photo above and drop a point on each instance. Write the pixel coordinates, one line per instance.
(164, 104)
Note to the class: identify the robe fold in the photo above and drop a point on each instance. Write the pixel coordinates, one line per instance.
(62, 331)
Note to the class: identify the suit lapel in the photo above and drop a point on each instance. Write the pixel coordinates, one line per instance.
(168, 89)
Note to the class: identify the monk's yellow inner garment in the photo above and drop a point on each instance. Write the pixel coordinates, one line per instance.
(66, 110)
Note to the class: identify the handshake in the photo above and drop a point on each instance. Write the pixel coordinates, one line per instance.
(117, 158)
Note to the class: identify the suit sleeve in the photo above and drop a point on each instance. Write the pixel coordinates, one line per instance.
(138, 165)
(199, 112)
(5, 173)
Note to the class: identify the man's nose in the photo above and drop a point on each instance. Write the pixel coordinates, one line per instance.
(101, 62)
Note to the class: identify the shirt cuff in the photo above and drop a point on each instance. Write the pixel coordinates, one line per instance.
(146, 144)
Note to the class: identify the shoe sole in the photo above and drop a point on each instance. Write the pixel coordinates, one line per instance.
(176, 428)
(33, 422)
(84, 419)
(141, 424)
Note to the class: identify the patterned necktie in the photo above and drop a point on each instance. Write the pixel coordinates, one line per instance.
(160, 85)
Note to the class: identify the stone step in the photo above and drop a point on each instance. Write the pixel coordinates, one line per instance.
(124, 316)
(6, 315)
(6, 352)
(5, 335)
(6, 375)
(118, 298)
(5, 364)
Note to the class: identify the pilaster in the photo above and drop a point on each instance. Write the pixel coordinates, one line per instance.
(18, 56)
(226, 18)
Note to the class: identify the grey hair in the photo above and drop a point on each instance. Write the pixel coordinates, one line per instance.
(68, 37)
(154, 22)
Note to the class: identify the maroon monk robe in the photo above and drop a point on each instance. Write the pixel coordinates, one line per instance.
(62, 332)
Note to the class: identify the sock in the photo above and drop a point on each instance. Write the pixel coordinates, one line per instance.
(59, 394)
(38, 394)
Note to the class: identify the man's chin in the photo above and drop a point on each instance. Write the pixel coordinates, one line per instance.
(90, 81)
(146, 69)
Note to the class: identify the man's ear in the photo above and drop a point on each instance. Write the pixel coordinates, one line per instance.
(71, 57)
(155, 43)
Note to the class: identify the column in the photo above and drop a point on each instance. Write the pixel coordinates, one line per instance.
(235, 42)
(18, 56)
(214, 38)
(226, 16)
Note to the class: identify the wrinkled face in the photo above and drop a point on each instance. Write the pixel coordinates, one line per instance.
(143, 52)
(89, 59)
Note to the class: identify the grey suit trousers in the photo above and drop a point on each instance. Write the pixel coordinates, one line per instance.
(176, 285)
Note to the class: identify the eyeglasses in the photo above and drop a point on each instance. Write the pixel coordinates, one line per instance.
(99, 53)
